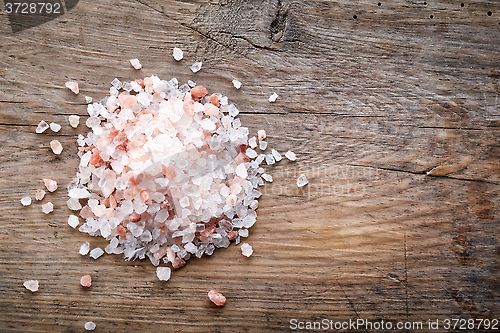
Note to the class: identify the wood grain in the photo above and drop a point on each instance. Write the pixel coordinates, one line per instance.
(394, 116)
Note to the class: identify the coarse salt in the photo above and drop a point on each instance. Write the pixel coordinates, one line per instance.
(73, 86)
(42, 127)
(90, 326)
(178, 54)
(54, 127)
(26, 201)
(196, 67)
(273, 97)
(40, 194)
(74, 121)
(56, 147)
(84, 249)
(96, 253)
(86, 281)
(236, 84)
(290, 155)
(73, 221)
(302, 180)
(163, 273)
(135, 63)
(50, 184)
(217, 298)
(31, 285)
(246, 249)
(48, 207)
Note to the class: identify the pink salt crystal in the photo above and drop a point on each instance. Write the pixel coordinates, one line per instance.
(126, 100)
(211, 110)
(86, 281)
(31, 285)
(39, 194)
(73, 86)
(56, 147)
(50, 184)
(217, 298)
(232, 234)
(48, 207)
(199, 92)
(261, 134)
(74, 121)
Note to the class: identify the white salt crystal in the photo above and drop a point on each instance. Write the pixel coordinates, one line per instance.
(56, 147)
(261, 134)
(135, 63)
(191, 84)
(207, 124)
(26, 201)
(96, 253)
(267, 177)
(236, 84)
(190, 247)
(269, 159)
(163, 273)
(50, 184)
(42, 127)
(196, 67)
(73, 221)
(31, 285)
(89, 326)
(74, 204)
(48, 207)
(116, 84)
(241, 171)
(252, 142)
(273, 97)
(84, 249)
(290, 155)
(55, 127)
(73, 86)
(74, 121)
(233, 111)
(262, 145)
(251, 153)
(302, 180)
(88, 99)
(243, 232)
(246, 249)
(276, 155)
(178, 54)
(78, 193)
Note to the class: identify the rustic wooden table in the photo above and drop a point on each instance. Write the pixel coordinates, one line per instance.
(392, 108)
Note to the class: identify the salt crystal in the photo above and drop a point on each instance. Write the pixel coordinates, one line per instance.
(56, 147)
(191, 83)
(96, 253)
(50, 184)
(252, 142)
(236, 84)
(88, 99)
(135, 63)
(233, 111)
(40, 194)
(47, 208)
(273, 97)
(261, 134)
(55, 127)
(86, 281)
(74, 204)
(262, 145)
(269, 159)
(73, 86)
(302, 180)
(42, 127)
(217, 298)
(196, 67)
(243, 232)
(74, 121)
(73, 221)
(246, 249)
(163, 273)
(90, 326)
(178, 54)
(267, 177)
(290, 155)
(26, 201)
(276, 155)
(31, 285)
(117, 84)
(241, 171)
(251, 153)
(84, 249)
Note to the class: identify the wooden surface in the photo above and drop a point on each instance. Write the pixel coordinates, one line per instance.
(372, 98)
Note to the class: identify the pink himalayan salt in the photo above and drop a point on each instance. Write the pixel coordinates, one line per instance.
(74, 121)
(56, 147)
(50, 184)
(126, 100)
(217, 298)
(261, 134)
(211, 110)
(86, 281)
(31, 285)
(73, 86)
(40, 194)
(48, 207)
(199, 91)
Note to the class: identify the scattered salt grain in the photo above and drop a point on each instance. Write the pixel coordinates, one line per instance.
(135, 63)
(196, 67)
(48, 207)
(261, 134)
(73, 86)
(262, 145)
(73, 221)
(54, 127)
(267, 177)
(42, 127)
(56, 147)
(50, 184)
(84, 249)
(178, 54)
(31, 285)
(252, 142)
(246, 249)
(302, 180)
(273, 97)
(90, 326)
(269, 159)
(217, 298)
(236, 84)
(88, 99)
(96, 253)
(191, 83)
(74, 121)
(26, 201)
(290, 155)
(86, 281)
(40, 194)
(163, 273)
(276, 155)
